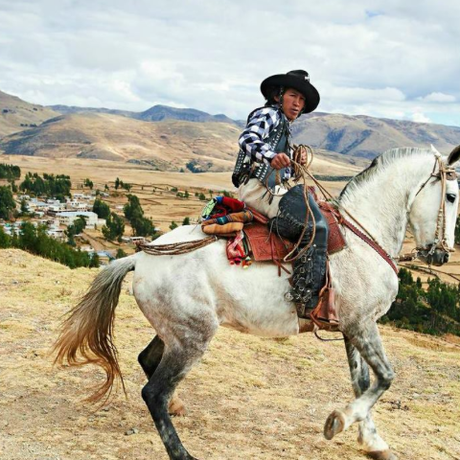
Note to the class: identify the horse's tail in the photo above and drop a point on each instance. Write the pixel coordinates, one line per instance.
(87, 333)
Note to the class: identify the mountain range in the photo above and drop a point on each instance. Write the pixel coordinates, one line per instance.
(168, 138)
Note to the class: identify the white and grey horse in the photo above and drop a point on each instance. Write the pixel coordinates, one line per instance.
(187, 297)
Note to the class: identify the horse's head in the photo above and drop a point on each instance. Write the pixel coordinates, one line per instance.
(433, 213)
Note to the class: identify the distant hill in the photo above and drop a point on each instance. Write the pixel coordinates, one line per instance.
(155, 113)
(17, 115)
(363, 136)
(350, 135)
(163, 112)
(162, 134)
(66, 109)
(168, 145)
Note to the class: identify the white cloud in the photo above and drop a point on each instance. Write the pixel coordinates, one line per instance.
(420, 117)
(380, 58)
(438, 97)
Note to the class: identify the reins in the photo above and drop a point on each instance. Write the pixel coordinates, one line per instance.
(301, 172)
(444, 174)
(174, 249)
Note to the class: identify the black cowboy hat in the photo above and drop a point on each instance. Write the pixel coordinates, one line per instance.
(296, 79)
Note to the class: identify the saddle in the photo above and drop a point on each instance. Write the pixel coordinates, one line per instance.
(251, 235)
(267, 246)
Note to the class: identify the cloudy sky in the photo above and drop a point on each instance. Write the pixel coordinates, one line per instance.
(385, 58)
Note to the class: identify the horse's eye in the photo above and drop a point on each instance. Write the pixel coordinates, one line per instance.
(451, 197)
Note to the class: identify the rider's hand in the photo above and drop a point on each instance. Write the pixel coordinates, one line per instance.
(280, 160)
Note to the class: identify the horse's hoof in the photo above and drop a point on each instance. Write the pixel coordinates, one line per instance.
(335, 424)
(176, 407)
(382, 455)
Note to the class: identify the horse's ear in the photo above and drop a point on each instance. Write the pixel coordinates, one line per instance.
(454, 156)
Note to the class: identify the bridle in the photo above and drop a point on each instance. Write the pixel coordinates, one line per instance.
(444, 174)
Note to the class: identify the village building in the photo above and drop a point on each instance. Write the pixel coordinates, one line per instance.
(68, 218)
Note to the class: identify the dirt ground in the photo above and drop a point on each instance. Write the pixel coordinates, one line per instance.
(249, 398)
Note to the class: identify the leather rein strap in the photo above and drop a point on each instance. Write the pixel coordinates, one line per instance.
(444, 174)
(376, 247)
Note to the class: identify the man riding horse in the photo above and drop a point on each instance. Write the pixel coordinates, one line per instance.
(264, 147)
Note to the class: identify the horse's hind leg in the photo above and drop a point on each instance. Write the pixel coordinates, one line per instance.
(149, 359)
(367, 341)
(372, 443)
(178, 358)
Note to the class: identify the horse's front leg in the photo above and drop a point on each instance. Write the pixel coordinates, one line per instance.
(368, 437)
(366, 339)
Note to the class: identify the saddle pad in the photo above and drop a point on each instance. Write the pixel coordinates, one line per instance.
(265, 245)
(335, 241)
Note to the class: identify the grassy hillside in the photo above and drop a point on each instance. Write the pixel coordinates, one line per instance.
(237, 408)
(168, 145)
(17, 115)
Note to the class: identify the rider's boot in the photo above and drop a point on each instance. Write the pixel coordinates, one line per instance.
(310, 269)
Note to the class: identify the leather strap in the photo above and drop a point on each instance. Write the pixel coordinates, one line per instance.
(371, 243)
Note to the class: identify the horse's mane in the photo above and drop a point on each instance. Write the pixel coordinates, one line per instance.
(378, 164)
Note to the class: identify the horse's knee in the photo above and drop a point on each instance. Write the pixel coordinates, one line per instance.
(386, 379)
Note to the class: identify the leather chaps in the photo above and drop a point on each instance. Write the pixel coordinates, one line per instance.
(310, 269)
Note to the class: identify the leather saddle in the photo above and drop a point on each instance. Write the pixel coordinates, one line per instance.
(267, 246)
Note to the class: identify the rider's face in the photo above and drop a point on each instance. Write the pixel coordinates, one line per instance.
(293, 103)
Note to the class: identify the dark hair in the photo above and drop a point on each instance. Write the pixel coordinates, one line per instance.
(272, 92)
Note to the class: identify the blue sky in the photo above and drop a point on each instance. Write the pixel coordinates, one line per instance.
(381, 58)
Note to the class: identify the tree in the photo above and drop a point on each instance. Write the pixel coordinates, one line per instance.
(94, 260)
(49, 186)
(133, 208)
(202, 197)
(5, 240)
(173, 225)
(141, 225)
(88, 183)
(101, 209)
(76, 228)
(117, 183)
(9, 172)
(7, 203)
(120, 254)
(24, 207)
(186, 221)
(114, 228)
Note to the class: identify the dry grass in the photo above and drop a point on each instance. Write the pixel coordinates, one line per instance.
(152, 187)
(238, 408)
